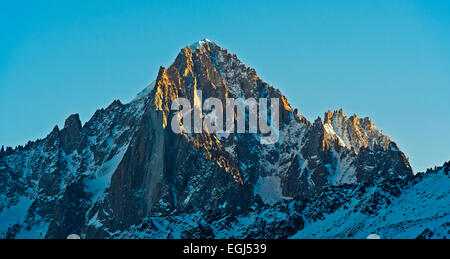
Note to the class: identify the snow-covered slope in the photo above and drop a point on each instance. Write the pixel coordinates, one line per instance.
(418, 209)
(414, 208)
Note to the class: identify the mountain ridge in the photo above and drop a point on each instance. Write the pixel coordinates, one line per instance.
(125, 165)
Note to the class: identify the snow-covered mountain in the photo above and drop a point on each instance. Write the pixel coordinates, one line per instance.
(415, 208)
(125, 173)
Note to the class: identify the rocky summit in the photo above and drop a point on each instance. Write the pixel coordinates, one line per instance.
(126, 174)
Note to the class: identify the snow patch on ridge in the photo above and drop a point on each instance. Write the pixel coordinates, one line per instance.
(14, 214)
(199, 44)
(269, 189)
(103, 175)
(330, 131)
(146, 91)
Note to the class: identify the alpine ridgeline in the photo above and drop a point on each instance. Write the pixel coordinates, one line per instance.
(125, 173)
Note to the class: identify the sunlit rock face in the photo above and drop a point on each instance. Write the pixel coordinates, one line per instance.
(125, 167)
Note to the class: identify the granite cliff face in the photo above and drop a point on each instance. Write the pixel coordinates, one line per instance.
(125, 172)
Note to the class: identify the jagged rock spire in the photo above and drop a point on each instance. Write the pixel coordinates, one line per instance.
(73, 122)
(71, 135)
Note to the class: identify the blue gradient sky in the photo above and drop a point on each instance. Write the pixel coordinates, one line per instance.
(389, 60)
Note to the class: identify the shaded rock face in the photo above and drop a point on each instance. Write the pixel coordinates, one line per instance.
(126, 164)
(70, 210)
(71, 136)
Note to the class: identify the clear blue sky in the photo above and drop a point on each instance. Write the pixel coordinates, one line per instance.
(386, 59)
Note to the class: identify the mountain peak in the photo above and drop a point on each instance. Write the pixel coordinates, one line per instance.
(73, 121)
(199, 44)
